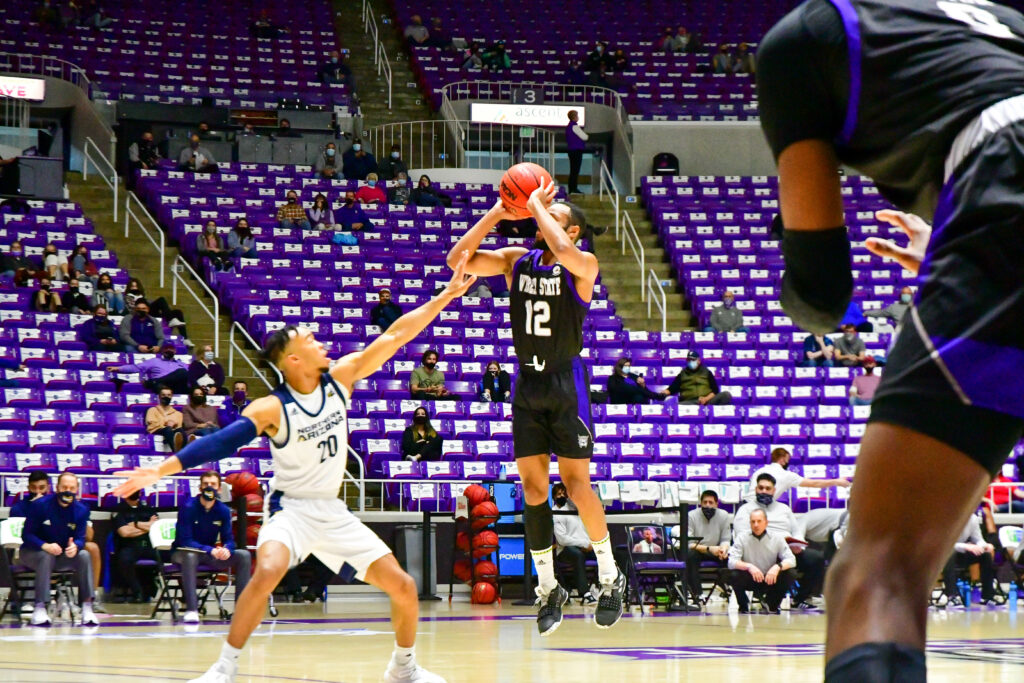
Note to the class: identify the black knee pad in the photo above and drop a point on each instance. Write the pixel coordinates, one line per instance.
(877, 663)
(540, 526)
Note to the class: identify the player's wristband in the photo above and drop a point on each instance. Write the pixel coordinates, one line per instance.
(223, 443)
(818, 285)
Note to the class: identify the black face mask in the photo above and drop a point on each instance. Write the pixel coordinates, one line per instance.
(419, 419)
(765, 499)
(133, 497)
(66, 497)
(209, 493)
(198, 400)
(292, 200)
(73, 290)
(165, 400)
(168, 355)
(45, 288)
(430, 364)
(560, 501)
(708, 513)
(141, 314)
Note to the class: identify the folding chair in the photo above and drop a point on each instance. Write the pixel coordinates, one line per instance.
(1013, 537)
(168, 579)
(21, 578)
(655, 565)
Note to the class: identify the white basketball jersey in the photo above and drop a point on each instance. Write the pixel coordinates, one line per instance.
(310, 449)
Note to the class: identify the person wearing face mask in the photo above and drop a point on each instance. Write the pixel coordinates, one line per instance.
(328, 164)
(709, 530)
(206, 373)
(420, 441)
(200, 418)
(210, 245)
(18, 265)
(166, 420)
(73, 300)
(163, 369)
(334, 71)
(818, 351)
(427, 382)
(626, 387)
(321, 215)
(810, 562)
(597, 57)
(786, 480)
(203, 522)
(54, 540)
(358, 163)
(99, 334)
(141, 332)
(241, 242)
(196, 158)
(393, 164)
(142, 155)
(158, 308)
(350, 215)
(81, 266)
(496, 385)
(425, 194)
(572, 544)
(132, 520)
(239, 400)
(105, 295)
(372, 192)
(386, 311)
(291, 214)
(45, 299)
(726, 317)
(887, 319)
(850, 348)
(55, 267)
(760, 560)
(863, 387)
(399, 192)
(284, 130)
(697, 384)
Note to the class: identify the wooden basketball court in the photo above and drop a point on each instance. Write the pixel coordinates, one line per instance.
(351, 643)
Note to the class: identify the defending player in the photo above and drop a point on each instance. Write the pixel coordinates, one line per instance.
(925, 97)
(306, 421)
(551, 287)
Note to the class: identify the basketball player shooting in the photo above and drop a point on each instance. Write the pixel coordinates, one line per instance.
(305, 419)
(551, 287)
(927, 98)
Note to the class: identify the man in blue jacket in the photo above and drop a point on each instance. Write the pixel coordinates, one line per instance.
(54, 538)
(202, 522)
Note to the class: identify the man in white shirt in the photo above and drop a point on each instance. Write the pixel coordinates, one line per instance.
(786, 480)
(760, 561)
(572, 543)
(971, 548)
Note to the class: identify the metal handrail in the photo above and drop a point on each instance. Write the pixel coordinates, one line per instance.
(233, 346)
(159, 242)
(606, 185)
(632, 240)
(214, 314)
(654, 290)
(384, 65)
(380, 56)
(112, 181)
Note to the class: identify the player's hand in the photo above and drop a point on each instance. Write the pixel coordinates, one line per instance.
(460, 282)
(500, 212)
(756, 574)
(917, 230)
(138, 479)
(541, 198)
(845, 483)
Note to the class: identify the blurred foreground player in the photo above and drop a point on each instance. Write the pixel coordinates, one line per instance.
(306, 421)
(924, 97)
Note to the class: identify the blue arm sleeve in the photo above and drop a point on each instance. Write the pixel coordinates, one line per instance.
(221, 444)
(227, 534)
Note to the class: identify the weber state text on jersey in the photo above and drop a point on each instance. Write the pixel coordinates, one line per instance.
(310, 449)
(547, 315)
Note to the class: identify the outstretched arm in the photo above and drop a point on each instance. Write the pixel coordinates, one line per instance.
(487, 262)
(355, 366)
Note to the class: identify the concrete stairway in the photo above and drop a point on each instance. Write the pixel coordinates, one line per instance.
(136, 255)
(620, 272)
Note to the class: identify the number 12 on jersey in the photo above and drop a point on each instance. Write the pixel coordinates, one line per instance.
(538, 313)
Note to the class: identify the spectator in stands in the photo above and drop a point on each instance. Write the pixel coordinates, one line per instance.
(726, 317)
(850, 348)
(99, 334)
(427, 382)
(496, 385)
(203, 522)
(204, 132)
(210, 245)
(321, 215)
(386, 311)
(206, 373)
(159, 307)
(426, 194)
(786, 480)
(439, 37)
(620, 61)
(248, 130)
(680, 41)
(863, 387)
(420, 441)
(709, 530)
(576, 142)
(392, 165)
(891, 315)
(55, 267)
(54, 539)
(291, 214)
(350, 215)
(400, 192)
(496, 57)
(38, 487)
(721, 61)
(263, 27)
(743, 60)
(16, 264)
(159, 370)
(326, 165)
(81, 266)
(165, 420)
(760, 561)
(73, 300)
(142, 155)
(357, 162)
(334, 71)
(44, 299)
(624, 386)
(239, 401)
(781, 520)
(697, 384)
(285, 130)
(1007, 498)
(48, 16)
(105, 295)
(664, 42)
(473, 58)
(599, 77)
(199, 418)
(598, 56)
(818, 351)
(572, 544)
(93, 14)
(415, 32)
(371, 193)
(196, 158)
(970, 549)
(241, 242)
(574, 73)
(132, 520)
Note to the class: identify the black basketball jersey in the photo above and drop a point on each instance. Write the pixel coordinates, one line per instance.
(890, 82)
(547, 315)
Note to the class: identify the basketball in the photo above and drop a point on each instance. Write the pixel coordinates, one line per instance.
(485, 570)
(518, 184)
(476, 494)
(254, 502)
(463, 570)
(483, 515)
(484, 543)
(252, 532)
(484, 593)
(462, 541)
(244, 483)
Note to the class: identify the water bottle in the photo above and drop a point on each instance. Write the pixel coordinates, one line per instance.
(965, 593)
(1012, 598)
(976, 595)
(502, 476)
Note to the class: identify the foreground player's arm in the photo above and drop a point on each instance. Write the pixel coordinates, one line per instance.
(259, 417)
(356, 366)
(486, 263)
(581, 264)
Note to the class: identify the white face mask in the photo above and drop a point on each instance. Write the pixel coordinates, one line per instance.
(208, 356)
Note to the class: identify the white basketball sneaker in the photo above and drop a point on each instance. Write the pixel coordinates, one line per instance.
(222, 671)
(410, 674)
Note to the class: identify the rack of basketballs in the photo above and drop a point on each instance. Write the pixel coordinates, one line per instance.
(475, 543)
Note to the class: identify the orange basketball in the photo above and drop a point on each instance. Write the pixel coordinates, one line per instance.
(463, 571)
(483, 515)
(462, 541)
(484, 593)
(254, 502)
(252, 533)
(476, 494)
(518, 184)
(485, 570)
(484, 543)
(244, 483)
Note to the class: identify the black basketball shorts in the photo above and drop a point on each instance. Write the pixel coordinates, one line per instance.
(551, 414)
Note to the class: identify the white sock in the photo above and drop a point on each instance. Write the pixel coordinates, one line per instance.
(230, 654)
(544, 561)
(403, 657)
(607, 570)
